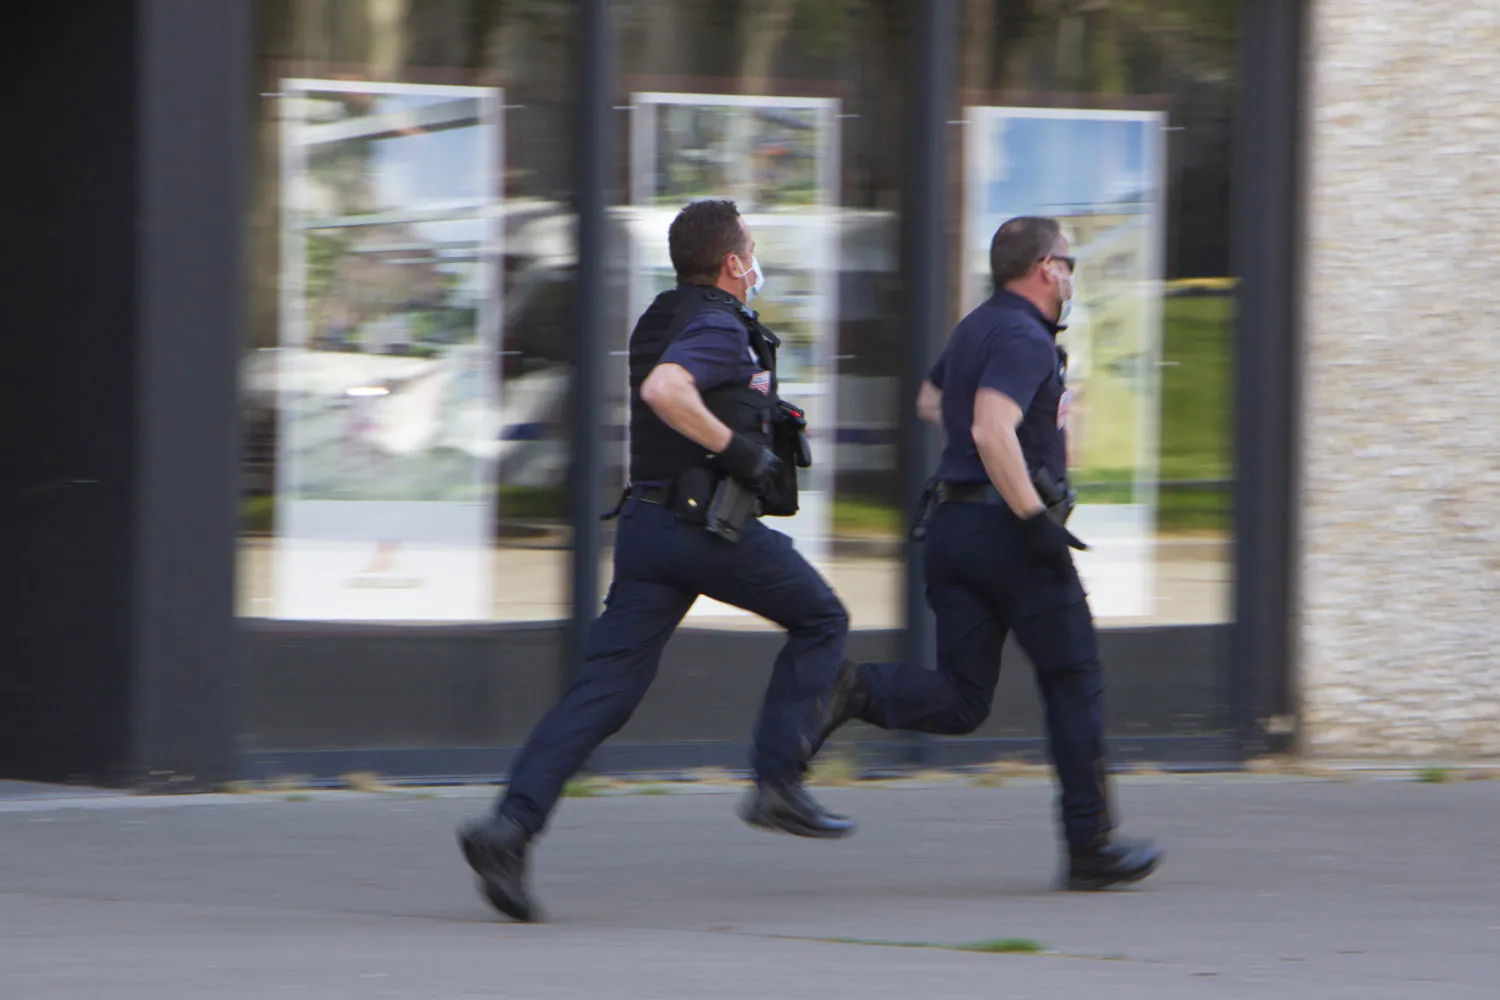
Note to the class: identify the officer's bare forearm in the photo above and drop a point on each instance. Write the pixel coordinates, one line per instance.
(994, 430)
(930, 403)
(1007, 470)
(673, 396)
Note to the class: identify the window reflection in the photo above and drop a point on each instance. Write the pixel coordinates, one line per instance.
(796, 108)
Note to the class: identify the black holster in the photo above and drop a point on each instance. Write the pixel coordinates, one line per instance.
(926, 507)
(731, 509)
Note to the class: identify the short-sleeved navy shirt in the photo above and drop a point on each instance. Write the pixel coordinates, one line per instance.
(1008, 345)
(715, 349)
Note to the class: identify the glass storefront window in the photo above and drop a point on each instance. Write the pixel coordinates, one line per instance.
(406, 380)
(407, 376)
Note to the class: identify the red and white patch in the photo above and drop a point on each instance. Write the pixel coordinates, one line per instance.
(1064, 404)
(761, 383)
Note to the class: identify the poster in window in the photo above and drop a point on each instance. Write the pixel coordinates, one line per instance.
(1099, 173)
(777, 159)
(388, 401)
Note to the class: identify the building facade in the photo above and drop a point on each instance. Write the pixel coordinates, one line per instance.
(320, 388)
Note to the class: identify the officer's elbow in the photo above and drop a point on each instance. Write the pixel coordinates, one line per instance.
(658, 389)
(930, 403)
(995, 419)
(651, 392)
(986, 435)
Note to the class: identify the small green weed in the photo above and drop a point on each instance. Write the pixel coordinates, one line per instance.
(580, 788)
(1004, 946)
(997, 946)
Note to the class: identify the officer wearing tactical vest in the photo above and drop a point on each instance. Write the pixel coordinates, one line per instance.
(711, 445)
(997, 556)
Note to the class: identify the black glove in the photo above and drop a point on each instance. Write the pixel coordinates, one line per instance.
(750, 463)
(1048, 542)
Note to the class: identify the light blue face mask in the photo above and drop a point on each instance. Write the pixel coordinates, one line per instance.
(1065, 307)
(757, 284)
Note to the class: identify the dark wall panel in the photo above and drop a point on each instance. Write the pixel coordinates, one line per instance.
(434, 701)
(122, 241)
(67, 313)
(319, 687)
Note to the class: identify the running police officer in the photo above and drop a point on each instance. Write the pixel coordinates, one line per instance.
(997, 557)
(704, 416)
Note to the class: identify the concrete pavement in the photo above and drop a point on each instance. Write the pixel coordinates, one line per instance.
(1274, 887)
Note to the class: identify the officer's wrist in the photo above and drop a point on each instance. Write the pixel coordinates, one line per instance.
(739, 457)
(722, 443)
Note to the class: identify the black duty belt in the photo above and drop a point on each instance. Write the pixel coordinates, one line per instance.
(984, 493)
(657, 493)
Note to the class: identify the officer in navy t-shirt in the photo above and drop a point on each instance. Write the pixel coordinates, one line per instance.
(703, 408)
(997, 559)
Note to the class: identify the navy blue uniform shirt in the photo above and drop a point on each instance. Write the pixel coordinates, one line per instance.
(1008, 345)
(715, 349)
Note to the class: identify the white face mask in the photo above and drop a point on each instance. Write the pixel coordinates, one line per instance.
(757, 284)
(1065, 293)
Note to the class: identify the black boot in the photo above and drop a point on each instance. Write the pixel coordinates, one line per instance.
(495, 848)
(788, 808)
(847, 699)
(1115, 862)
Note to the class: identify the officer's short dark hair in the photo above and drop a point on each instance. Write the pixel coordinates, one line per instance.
(1018, 245)
(701, 236)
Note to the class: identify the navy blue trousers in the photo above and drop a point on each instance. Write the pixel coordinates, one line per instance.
(981, 586)
(661, 566)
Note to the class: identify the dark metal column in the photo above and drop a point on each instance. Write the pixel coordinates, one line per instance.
(593, 152)
(1267, 243)
(924, 236)
(193, 109)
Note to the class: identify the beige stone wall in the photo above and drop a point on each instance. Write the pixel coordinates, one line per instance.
(1400, 614)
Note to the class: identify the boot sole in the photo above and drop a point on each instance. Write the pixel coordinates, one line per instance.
(1096, 883)
(482, 861)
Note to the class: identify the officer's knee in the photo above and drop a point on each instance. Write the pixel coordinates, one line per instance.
(969, 716)
(1084, 676)
(827, 617)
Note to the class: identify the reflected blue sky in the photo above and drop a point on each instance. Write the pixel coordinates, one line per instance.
(429, 168)
(1066, 166)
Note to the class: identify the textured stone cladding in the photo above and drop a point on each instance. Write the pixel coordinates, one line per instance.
(1400, 493)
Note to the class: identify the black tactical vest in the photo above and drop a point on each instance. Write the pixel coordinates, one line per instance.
(659, 454)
